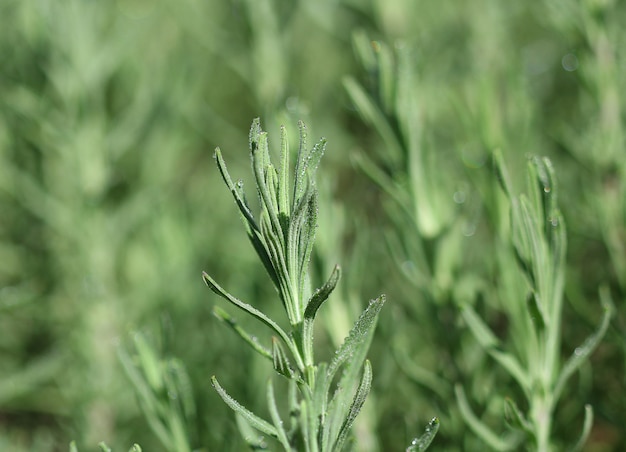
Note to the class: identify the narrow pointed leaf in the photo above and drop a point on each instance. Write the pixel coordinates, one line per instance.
(359, 399)
(252, 437)
(248, 338)
(320, 295)
(502, 175)
(479, 329)
(239, 199)
(280, 359)
(515, 418)
(254, 420)
(535, 312)
(359, 335)
(283, 181)
(372, 115)
(278, 423)
(493, 440)
(587, 425)
(581, 353)
(252, 311)
(350, 355)
(423, 442)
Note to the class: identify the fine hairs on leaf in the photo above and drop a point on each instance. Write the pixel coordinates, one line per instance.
(320, 416)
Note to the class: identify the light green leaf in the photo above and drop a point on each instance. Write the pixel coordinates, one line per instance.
(252, 437)
(502, 175)
(479, 329)
(358, 338)
(254, 420)
(581, 353)
(103, 447)
(284, 206)
(351, 353)
(423, 442)
(278, 423)
(515, 418)
(584, 435)
(357, 403)
(248, 338)
(493, 440)
(372, 115)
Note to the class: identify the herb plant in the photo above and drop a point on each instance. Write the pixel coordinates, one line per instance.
(323, 402)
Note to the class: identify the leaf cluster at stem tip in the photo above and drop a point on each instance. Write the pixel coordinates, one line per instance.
(323, 402)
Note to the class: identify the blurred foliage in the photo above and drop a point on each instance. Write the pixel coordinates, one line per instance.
(110, 204)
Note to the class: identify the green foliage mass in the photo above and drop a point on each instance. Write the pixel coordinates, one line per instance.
(474, 172)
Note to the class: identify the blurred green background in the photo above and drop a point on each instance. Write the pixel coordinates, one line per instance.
(111, 204)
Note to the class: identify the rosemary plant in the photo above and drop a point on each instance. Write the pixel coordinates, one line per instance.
(537, 242)
(323, 403)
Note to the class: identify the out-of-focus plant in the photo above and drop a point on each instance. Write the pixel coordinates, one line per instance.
(537, 241)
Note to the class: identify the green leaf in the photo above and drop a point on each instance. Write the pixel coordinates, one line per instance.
(535, 312)
(251, 436)
(254, 312)
(351, 354)
(150, 363)
(372, 116)
(306, 165)
(358, 339)
(248, 338)
(502, 175)
(479, 329)
(357, 403)
(103, 447)
(423, 442)
(515, 418)
(254, 420)
(280, 359)
(319, 296)
(584, 435)
(278, 423)
(493, 440)
(135, 448)
(151, 406)
(581, 353)
(284, 207)
(73, 447)
(235, 190)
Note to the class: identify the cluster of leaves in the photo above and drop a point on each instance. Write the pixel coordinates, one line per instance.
(320, 416)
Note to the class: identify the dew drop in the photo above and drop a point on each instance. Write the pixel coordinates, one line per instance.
(579, 351)
(547, 189)
(569, 62)
(459, 197)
